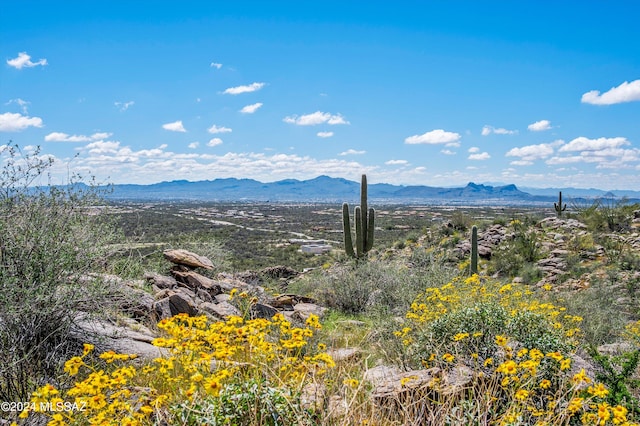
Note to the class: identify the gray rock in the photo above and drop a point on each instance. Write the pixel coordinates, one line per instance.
(160, 281)
(219, 310)
(187, 258)
(304, 310)
(262, 310)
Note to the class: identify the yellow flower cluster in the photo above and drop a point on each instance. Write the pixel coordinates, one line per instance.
(526, 385)
(202, 358)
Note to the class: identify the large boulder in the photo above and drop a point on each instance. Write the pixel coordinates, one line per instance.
(187, 258)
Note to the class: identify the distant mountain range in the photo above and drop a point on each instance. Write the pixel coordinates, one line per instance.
(328, 189)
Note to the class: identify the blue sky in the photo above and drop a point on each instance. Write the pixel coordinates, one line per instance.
(439, 93)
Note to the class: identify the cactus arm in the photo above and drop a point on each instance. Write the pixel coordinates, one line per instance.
(346, 227)
(370, 229)
(359, 232)
(474, 249)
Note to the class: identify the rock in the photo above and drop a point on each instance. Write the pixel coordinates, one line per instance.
(304, 310)
(613, 349)
(162, 309)
(182, 304)
(195, 281)
(379, 374)
(456, 380)
(287, 301)
(187, 258)
(219, 310)
(177, 303)
(344, 354)
(135, 301)
(313, 395)
(123, 339)
(337, 408)
(222, 297)
(279, 272)
(404, 387)
(203, 295)
(160, 281)
(261, 310)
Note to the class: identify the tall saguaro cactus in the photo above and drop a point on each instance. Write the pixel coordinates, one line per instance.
(559, 208)
(364, 220)
(474, 249)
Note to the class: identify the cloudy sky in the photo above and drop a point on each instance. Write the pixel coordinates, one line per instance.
(536, 93)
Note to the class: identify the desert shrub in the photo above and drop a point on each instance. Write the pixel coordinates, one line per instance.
(50, 237)
(603, 318)
(480, 310)
(377, 287)
(514, 347)
(461, 221)
(233, 372)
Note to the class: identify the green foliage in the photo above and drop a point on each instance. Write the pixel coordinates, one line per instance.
(50, 238)
(602, 318)
(377, 288)
(364, 220)
(607, 214)
(251, 402)
(616, 372)
(460, 220)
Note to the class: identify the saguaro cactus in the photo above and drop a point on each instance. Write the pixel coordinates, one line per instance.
(474, 249)
(364, 220)
(559, 208)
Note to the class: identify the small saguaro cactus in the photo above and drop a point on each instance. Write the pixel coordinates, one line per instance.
(364, 222)
(558, 206)
(474, 249)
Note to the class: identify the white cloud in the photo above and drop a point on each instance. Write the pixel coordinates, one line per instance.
(473, 149)
(531, 153)
(396, 162)
(521, 163)
(250, 109)
(585, 144)
(626, 92)
(214, 142)
(539, 126)
(15, 122)
(433, 137)
(605, 153)
(193, 145)
(123, 106)
(215, 129)
(324, 134)
(20, 102)
(24, 61)
(352, 152)
(243, 89)
(479, 157)
(215, 65)
(317, 117)
(487, 130)
(176, 126)
(447, 152)
(64, 137)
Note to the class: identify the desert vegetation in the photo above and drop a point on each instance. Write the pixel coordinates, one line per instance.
(542, 329)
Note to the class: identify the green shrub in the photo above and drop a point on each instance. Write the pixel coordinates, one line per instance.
(49, 238)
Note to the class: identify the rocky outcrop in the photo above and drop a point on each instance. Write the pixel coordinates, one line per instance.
(488, 240)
